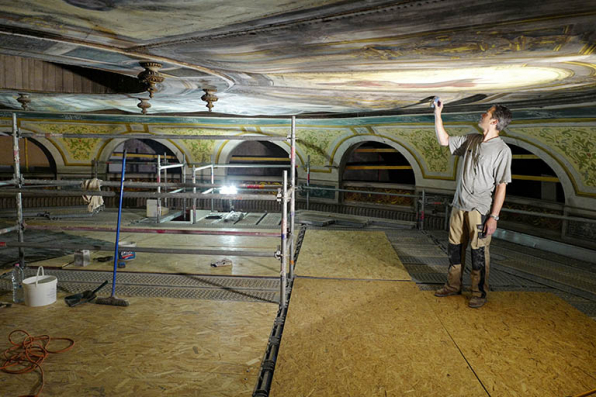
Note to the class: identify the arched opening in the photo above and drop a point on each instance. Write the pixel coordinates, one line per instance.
(141, 160)
(141, 166)
(36, 160)
(375, 166)
(257, 161)
(377, 162)
(535, 188)
(533, 178)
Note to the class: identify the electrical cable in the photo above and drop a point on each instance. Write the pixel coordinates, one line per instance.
(29, 354)
(587, 393)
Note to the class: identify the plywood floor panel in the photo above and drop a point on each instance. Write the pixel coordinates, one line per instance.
(155, 347)
(524, 343)
(367, 338)
(349, 254)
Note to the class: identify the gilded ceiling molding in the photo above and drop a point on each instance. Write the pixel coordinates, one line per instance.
(150, 77)
(24, 100)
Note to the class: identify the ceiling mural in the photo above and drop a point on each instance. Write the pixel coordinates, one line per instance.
(287, 57)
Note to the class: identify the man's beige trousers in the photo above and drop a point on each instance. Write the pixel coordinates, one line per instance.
(467, 227)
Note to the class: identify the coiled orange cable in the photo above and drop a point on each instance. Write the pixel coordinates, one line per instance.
(28, 355)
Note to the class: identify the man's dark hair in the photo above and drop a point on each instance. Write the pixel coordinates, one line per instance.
(503, 117)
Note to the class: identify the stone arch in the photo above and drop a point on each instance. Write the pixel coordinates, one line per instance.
(223, 154)
(54, 156)
(112, 144)
(224, 151)
(348, 145)
(566, 183)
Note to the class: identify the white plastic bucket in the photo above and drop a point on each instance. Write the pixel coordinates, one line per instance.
(40, 290)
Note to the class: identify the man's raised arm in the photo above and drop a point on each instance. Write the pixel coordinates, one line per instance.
(442, 135)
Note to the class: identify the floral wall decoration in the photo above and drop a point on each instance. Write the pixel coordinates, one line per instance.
(77, 150)
(199, 150)
(574, 143)
(436, 158)
(316, 142)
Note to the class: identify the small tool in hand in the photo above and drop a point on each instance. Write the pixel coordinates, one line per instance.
(435, 102)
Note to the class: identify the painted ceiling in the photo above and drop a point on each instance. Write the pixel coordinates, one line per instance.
(284, 57)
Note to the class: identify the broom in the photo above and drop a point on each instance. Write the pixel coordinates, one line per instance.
(112, 300)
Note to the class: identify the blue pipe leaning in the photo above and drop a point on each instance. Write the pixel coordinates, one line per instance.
(113, 300)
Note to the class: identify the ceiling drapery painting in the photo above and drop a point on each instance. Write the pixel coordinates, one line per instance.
(268, 57)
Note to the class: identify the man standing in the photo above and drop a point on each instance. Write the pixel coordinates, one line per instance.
(486, 169)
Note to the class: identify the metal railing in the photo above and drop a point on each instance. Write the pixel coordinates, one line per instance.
(422, 200)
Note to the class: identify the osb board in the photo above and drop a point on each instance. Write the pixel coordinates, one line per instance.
(349, 254)
(367, 338)
(180, 263)
(523, 343)
(154, 347)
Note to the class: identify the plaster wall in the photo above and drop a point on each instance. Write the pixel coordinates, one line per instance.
(566, 144)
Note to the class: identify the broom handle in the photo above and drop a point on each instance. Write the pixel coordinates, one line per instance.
(100, 287)
(118, 226)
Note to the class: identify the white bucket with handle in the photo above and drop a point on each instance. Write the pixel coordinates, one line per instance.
(40, 290)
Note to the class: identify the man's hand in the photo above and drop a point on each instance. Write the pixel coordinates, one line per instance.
(442, 135)
(490, 226)
(438, 108)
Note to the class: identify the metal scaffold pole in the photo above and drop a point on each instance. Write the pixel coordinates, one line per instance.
(18, 185)
(212, 182)
(165, 178)
(422, 204)
(184, 191)
(284, 239)
(158, 214)
(293, 197)
(194, 200)
(308, 182)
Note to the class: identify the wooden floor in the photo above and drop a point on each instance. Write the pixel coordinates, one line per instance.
(347, 337)
(356, 326)
(154, 347)
(349, 254)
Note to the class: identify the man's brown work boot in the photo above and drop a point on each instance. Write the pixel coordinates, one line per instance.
(476, 302)
(446, 291)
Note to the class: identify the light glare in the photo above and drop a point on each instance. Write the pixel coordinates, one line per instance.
(228, 190)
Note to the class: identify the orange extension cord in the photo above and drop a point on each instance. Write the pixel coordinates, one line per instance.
(587, 393)
(29, 354)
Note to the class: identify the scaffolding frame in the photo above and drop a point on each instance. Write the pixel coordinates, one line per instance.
(165, 167)
(213, 186)
(286, 196)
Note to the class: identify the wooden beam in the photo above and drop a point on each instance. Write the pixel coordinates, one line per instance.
(535, 178)
(235, 158)
(525, 157)
(141, 155)
(376, 150)
(378, 167)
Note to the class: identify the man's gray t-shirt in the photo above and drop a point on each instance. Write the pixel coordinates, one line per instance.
(486, 164)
